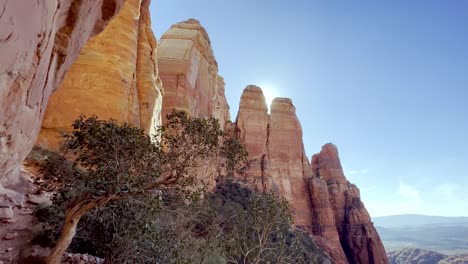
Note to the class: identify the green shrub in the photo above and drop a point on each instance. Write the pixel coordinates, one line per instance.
(146, 203)
(119, 162)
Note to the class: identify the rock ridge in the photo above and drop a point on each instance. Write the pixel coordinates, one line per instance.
(34, 64)
(323, 202)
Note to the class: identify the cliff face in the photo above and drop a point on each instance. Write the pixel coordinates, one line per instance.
(323, 225)
(189, 71)
(39, 41)
(115, 76)
(322, 200)
(252, 129)
(288, 165)
(359, 239)
(277, 159)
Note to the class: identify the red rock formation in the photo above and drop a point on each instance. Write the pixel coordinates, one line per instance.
(39, 40)
(288, 167)
(276, 160)
(252, 129)
(359, 239)
(323, 225)
(115, 76)
(189, 72)
(322, 200)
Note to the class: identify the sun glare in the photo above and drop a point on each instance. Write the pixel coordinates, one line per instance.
(270, 93)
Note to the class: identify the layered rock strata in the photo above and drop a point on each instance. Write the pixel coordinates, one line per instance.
(252, 129)
(115, 76)
(323, 225)
(39, 41)
(359, 239)
(288, 166)
(189, 71)
(277, 159)
(323, 201)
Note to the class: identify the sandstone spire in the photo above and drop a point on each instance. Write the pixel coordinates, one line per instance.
(277, 160)
(359, 239)
(252, 129)
(115, 76)
(323, 201)
(288, 165)
(189, 71)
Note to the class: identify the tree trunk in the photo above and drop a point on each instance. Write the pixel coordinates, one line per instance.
(68, 232)
(72, 218)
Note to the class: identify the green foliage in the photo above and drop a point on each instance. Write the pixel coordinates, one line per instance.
(154, 212)
(256, 228)
(117, 157)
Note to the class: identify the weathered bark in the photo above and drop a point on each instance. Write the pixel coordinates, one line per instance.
(72, 217)
(78, 210)
(68, 232)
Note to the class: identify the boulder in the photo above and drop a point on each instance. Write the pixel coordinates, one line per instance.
(6, 212)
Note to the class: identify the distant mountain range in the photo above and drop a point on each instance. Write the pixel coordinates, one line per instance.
(448, 235)
(414, 219)
(420, 256)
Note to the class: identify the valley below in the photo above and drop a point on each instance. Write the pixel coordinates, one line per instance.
(424, 239)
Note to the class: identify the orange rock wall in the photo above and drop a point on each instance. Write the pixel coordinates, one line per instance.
(189, 71)
(115, 76)
(39, 41)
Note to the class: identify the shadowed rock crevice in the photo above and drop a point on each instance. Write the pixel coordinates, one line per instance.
(357, 236)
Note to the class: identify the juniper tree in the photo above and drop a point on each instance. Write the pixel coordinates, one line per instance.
(116, 161)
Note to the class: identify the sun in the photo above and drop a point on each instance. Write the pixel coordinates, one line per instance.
(270, 92)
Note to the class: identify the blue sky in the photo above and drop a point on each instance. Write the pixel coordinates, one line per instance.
(386, 81)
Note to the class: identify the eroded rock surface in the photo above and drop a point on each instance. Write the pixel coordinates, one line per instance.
(323, 201)
(277, 159)
(189, 71)
(323, 225)
(252, 129)
(359, 239)
(39, 41)
(288, 168)
(115, 76)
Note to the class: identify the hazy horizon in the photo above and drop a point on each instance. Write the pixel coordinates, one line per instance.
(385, 82)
